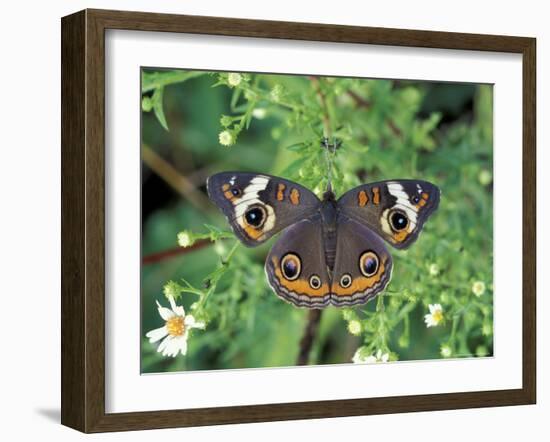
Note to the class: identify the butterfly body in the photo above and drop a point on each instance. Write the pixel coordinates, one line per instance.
(331, 251)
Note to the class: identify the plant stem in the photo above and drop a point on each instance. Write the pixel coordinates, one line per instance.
(170, 253)
(174, 179)
(216, 276)
(306, 343)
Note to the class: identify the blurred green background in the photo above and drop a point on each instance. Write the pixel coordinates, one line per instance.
(440, 132)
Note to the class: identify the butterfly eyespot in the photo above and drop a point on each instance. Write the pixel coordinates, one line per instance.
(345, 280)
(398, 220)
(291, 266)
(368, 263)
(235, 191)
(416, 199)
(314, 282)
(255, 216)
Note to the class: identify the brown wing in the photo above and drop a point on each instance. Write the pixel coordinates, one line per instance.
(257, 206)
(296, 267)
(396, 210)
(362, 266)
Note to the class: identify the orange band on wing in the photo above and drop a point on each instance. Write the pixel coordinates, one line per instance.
(280, 192)
(252, 232)
(376, 195)
(423, 201)
(400, 236)
(359, 285)
(230, 196)
(363, 198)
(298, 286)
(227, 193)
(295, 197)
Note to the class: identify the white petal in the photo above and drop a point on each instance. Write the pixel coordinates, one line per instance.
(178, 310)
(156, 334)
(164, 344)
(429, 321)
(385, 357)
(432, 308)
(174, 348)
(370, 359)
(191, 322)
(171, 348)
(165, 313)
(182, 344)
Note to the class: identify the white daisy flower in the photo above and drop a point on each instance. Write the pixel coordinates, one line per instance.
(354, 327)
(360, 358)
(435, 316)
(185, 239)
(234, 79)
(260, 113)
(175, 331)
(226, 138)
(446, 351)
(478, 288)
(434, 269)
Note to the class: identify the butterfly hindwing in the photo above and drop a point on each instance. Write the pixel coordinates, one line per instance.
(395, 210)
(258, 206)
(363, 265)
(296, 267)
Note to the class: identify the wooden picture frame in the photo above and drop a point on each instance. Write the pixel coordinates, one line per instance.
(83, 219)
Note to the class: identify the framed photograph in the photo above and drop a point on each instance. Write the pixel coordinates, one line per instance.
(267, 220)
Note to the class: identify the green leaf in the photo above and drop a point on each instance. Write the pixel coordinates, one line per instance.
(298, 147)
(158, 106)
(235, 98)
(153, 80)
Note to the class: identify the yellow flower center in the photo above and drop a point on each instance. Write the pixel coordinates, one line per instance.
(437, 316)
(175, 326)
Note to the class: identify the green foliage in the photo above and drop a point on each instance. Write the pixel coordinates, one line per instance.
(274, 124)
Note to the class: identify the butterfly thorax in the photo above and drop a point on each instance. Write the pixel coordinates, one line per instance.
(329, 214)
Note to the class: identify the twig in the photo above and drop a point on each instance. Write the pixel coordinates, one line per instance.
(173, 178)
(170, 253)
(306, 343)
(359, 101)
(323, 100)
(396, 131)
(364, 103)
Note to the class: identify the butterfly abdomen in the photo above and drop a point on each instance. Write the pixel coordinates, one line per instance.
(329, 217)
(329, 237)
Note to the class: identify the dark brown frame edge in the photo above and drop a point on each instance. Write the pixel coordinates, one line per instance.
(83, 217)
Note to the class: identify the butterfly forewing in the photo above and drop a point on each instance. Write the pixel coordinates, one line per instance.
(258, 206)
(396, 210)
